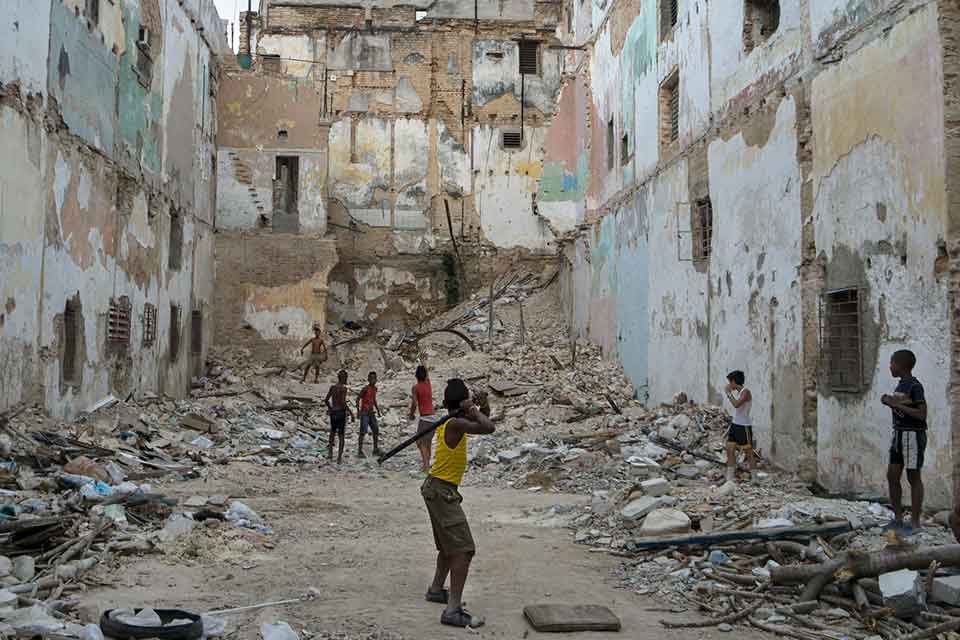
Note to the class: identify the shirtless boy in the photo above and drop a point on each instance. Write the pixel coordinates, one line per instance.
(338, 407)
(318, 354)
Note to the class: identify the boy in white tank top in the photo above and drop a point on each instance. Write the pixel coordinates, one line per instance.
(740, 434)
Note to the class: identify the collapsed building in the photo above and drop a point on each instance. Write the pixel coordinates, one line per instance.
(762, 185)
(108, 113)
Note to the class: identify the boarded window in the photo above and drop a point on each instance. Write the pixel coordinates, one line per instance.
(70, 364)
(196, 332)
(842, 339)
(670, 110)
(668, 17)
(702, 229)
(174, 332)
(118, 322)
(512, 139)
(761, 19)
(176, 241)
(92, 11)
(528, 57)
(149, 324)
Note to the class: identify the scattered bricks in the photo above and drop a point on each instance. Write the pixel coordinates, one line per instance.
(902, 591)
(664, 522)
(947, 590)
(655, 487)
(639, 508)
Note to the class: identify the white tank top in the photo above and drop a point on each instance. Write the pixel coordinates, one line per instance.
(741, 414)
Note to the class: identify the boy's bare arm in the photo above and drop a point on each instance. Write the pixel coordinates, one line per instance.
(474, 423)
(745, 397)
(326, 400)
(413, 402)
(309, 342)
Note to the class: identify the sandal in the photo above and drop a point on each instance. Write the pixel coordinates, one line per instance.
(461, 618)
(440, 597)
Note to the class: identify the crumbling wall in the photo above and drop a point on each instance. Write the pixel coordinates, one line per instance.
(822, 171)
(270, 290)
(87, 212)
(879, 202)
(24, 41)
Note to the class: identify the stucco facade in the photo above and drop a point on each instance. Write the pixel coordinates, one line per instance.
(105, 154)
(821, 147)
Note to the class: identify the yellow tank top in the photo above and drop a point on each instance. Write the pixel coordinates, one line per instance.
(449, 464)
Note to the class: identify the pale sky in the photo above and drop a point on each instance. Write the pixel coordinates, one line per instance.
(230, 10)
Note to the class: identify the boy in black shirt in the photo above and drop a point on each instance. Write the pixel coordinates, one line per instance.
(909, 443)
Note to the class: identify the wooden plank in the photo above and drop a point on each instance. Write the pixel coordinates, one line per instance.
(560, 618)
(198, 423)
(778, 533)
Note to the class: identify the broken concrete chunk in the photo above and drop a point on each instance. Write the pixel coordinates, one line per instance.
(655, 487)
(639, 508)
(195, 501)
(680, 422)
(509, 455)
(687, 471)
(24, 568)
(8, 601)
(177, 525)
(665, 521)
(947, 590)
(6, 566)
(902, 591)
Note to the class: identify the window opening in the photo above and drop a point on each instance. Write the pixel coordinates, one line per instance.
(149, 324)
(196, 332)
(702, 229)
(93, 11)
(624, 149)
(761, 19)
(71, 342)
(842, 339)
(528, 57)
(670, 110)
(668, 17)
(118, 322)
(270, 61)
(512, 139)
(286, 185)
(611, 158)
(176, 241)
(174, 332)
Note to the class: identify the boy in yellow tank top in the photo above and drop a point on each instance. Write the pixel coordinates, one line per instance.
(451, 532)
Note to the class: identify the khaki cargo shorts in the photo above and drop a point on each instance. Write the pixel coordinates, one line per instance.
(451, 532)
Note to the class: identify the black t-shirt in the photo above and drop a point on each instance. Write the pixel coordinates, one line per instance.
(911, 388)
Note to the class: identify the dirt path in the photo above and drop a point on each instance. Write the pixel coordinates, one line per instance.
(362, 537)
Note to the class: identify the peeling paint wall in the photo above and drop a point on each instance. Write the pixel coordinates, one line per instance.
(85, 207)
(24, 39)
(821, 148)
(880, 207)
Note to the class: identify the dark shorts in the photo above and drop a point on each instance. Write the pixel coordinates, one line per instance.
(368, 423)
(451, 532)
(338, 421)
(740, 435)
(907, 449)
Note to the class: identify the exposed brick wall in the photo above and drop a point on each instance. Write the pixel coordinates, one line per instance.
(272, 260)
(298, 19)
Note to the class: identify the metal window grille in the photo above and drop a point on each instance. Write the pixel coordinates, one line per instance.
(118, 322)
(196, 332)
(512, 139)
(528, 57)
(149, 324)
(668, 16)
(176, 241)
(174, 332)
(611, 158)
(674, 113)
(702, 229)
(71, 340)
(841, 338)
